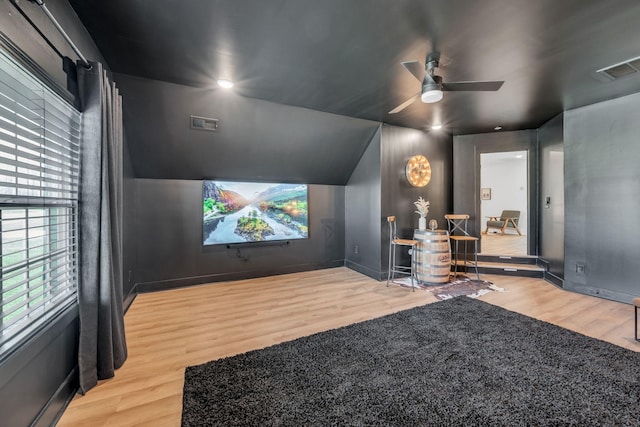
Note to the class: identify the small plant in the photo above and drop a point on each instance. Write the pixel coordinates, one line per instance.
(423, 207)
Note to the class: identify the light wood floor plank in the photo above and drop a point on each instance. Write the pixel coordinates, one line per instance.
(169, 330)
(508, 244)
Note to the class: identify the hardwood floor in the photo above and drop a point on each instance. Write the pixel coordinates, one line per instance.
(507, 244)
(167, 331)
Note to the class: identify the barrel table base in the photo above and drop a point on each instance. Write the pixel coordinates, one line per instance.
(433, 256)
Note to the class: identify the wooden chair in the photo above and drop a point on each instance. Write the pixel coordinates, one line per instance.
(394, 242)
(508, 219)
(457, 226)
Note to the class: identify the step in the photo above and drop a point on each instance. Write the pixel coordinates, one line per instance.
(504, 259)
(505, 269)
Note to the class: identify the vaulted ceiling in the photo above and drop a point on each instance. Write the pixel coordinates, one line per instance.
(343, 57)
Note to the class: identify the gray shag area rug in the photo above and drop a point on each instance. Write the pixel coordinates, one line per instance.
(454, 362)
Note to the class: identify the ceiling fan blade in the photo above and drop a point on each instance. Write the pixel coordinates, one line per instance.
(472, 86)
(415, 68)
(405, 104)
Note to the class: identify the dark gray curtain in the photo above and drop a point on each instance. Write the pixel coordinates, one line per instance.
(102, 348)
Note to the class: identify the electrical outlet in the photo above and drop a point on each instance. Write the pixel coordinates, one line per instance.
(580, 268)
(356, 249)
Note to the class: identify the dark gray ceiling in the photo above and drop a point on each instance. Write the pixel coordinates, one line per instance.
(344, 57)
(256, 139)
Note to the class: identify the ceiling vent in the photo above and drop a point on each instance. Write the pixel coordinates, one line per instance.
(614, 72)
(204, 123)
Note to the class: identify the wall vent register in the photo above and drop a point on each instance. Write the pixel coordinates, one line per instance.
(616, 71)
(204, 123)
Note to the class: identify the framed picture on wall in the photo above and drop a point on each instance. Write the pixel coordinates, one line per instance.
(485, 193)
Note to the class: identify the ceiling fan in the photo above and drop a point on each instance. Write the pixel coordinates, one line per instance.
(433, 86)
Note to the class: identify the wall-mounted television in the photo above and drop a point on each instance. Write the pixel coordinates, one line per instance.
(240, 212)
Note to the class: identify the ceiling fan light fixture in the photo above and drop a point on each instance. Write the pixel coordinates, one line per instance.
(431, 96)
(433, 86)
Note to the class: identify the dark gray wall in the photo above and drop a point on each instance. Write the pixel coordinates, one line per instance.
(398, 145)
(602, 198)
(169, 239)
(257, 139)
(38, 377)
(466, 178)
(551, 214)
(37, 380)
(362, 213)
(128, 228)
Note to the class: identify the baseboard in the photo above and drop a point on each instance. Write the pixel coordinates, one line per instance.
(553, 279)
(161, 285)
(599, 292)
(377, 275)
(55, 407)
(129, 298)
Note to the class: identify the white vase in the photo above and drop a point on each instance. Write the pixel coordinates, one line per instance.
(422, 223)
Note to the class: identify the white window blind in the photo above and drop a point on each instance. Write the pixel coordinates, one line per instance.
(39, 166)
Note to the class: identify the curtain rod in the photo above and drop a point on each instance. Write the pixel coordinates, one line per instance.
(62, 32)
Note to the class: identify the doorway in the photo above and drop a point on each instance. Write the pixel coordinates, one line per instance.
(504, 185)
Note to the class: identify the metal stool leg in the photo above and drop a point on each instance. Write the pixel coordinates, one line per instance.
(414, 265)
(455, 265)
(413, 253)
(466, 268)
(391, 249)
(636, 322)
(393, 265)
(475, 247)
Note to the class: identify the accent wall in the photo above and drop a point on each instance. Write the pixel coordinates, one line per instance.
(602, 198)
(398, 145)
(363, 211)
(170, 253)
(378, 188)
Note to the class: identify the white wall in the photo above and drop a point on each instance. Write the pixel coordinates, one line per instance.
(506, 175)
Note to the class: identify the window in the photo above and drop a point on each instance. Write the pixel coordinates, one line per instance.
(39, 167)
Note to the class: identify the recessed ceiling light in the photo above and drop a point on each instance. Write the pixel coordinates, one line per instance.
(436, 127)
(497, 128)
(519, 156)
(225, 83)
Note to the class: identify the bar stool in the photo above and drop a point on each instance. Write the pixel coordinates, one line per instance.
(395, 242)
(636, 304)
(457, 223)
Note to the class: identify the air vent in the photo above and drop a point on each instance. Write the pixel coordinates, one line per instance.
(619, 71)
(622, 69)
(204, 123)
(635, 63)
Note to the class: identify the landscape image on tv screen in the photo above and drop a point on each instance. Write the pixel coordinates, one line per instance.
(238, 212)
